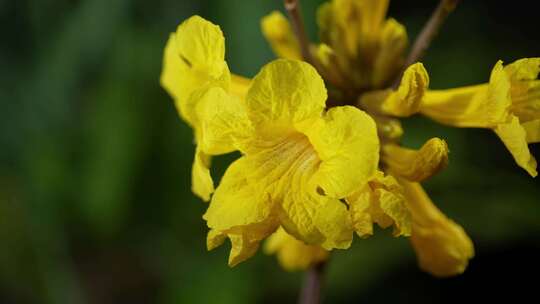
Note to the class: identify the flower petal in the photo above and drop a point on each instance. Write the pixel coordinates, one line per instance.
(514, 137)
(171, 75)
(416, 165)
(201, 181)
(389, 59)
(305, 213)
(277, 31)
(292, 254)
(201, 45)
(359, 22)
(442, 247)
(239, 86)
(480, 106)
(222, 120)
(214, 239)
(381, 202)
(523, 69)
(347, 143)
(532, 128)
(403, 102)
(242, 210)
(525, 90)
(194, 56)
(283, 93)
(237, 201)
(242, 248)
(316, 219)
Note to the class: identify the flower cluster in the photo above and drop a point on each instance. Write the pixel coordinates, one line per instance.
(320, 142)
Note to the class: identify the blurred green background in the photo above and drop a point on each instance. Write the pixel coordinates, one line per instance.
(95, 201)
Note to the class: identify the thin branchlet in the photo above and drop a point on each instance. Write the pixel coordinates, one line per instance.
(311, 290)
(295, 15)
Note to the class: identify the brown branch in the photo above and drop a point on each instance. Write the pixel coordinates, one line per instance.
(293, 9)
(427, 34)
(311, 290)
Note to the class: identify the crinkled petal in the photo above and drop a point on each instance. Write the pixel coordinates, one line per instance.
(406, 100)
(201, 181)
(201, 45)
(242, 210)
(532, 128)
(194, 57)
(416, 165)
(305, 213)
(283, 93)
(347, 143)
(514, 137)
(278, 32)
(442, 247)
(292, 254)
(238, 201)
(381, 202)
(222, 120)
(316, 219)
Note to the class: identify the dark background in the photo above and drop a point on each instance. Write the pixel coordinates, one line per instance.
(95, 201)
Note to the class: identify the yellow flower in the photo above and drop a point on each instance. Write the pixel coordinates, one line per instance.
(442, 246)
(309, 176)
(359, 49)
(293, 254)
(194, 59)
(298, 161)
(509, 105)
(363, 53)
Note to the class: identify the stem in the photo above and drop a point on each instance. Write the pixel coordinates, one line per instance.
(293, 9)
(311, 290)
(427, 34)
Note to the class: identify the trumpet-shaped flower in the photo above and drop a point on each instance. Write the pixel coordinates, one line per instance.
(298, 162)
(194, 59)
(509, 105)
(309, 175)
(362, 52)
(442, 246)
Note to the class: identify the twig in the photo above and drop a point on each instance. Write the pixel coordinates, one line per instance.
(311, 290)
(427, 34)
(293, 9)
